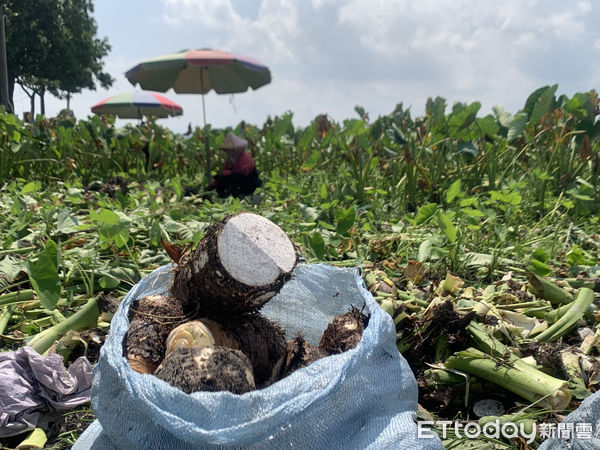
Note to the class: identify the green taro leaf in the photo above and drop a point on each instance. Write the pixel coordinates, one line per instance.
(542, 104)
(468, 149)
(105, 217)
(425, 250)
(504, 118)
(108, 282)
(306, 138)
(9, 269)
(453, 191)
(425, 213)
(396, 135)
(114, 227)
(346, 221)
(317, 244)
(446, 226)
(516, 126)
(155, 233)
(312, 160)
(43, 275)
(65, 222)
(539, 268)
(461, 117)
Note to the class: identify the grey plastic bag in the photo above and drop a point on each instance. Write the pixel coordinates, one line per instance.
(363, 398)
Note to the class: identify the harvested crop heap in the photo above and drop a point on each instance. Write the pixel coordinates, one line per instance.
(208, 335)
(527, 345)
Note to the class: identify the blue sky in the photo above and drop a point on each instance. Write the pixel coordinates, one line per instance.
(326, 56)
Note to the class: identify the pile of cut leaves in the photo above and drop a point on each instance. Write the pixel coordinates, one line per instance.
(524, 349)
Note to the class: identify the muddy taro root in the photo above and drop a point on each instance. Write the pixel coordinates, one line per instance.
(263, 341)
(151, 319)
(260, 339)
(344, 332)
(212, 369)
(299, 354)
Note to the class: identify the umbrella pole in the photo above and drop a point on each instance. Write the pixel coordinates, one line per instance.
(206, 139)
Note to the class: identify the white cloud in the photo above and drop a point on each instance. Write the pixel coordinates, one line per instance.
(211, 13)
(267, 36)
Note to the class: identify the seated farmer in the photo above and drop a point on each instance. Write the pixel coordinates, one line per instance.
(239, 176)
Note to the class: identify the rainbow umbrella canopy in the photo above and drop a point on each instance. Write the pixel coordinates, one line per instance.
(134, 105)
(198, 72)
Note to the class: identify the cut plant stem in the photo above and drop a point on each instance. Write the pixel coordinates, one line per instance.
(19, 296)
(522, 305)
(584, 299)
(36, 439)
(497, 349)
(18, 251)
(5, 318)
(543, 288)
(86, 317)
(590, 283)
(555, 314)
(525, 381)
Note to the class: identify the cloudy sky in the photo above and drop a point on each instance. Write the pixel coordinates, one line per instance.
(326, 56)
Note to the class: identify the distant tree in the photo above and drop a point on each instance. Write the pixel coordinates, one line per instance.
(52, 47)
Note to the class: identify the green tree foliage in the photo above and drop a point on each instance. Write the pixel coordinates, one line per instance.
(52, 47)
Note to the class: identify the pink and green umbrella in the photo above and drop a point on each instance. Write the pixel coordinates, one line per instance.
(198, 72)
(137, 104)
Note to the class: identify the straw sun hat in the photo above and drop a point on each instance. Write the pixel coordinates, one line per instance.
(233, 142)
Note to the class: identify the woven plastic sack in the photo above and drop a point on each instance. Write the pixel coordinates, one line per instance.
(582, 428)
(363, 398)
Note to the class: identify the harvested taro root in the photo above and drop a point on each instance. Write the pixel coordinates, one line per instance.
(263, 341)
(299, 354)
(189, 334)
(240, 263)
(212, 369)
(151, 319)
(260, 339)
(344, 332)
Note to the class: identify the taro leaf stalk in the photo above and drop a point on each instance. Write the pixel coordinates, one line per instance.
(584, 299)
(86, 317)
(498, 351)
(36, 439)
(525, 381)
(590, 283)
(542, 288)
(5, 318)
(16, 297)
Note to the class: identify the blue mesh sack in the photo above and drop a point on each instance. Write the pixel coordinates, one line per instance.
(583, 427)
(363, 398)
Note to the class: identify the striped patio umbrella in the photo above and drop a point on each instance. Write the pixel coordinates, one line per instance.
(198, 72)
(134, 105)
